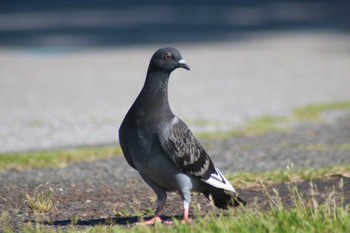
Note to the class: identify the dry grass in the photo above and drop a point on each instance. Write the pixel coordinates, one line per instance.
(42, 199)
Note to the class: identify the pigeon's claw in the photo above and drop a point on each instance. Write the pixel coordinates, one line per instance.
(151, 221)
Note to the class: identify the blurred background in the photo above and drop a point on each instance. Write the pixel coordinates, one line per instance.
(70, 70)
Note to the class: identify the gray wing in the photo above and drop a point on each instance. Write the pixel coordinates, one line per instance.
(124, 147)
(184, 149)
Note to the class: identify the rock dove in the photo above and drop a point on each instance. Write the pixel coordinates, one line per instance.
(163, 149)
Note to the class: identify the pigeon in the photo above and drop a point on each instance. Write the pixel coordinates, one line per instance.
(162, 148)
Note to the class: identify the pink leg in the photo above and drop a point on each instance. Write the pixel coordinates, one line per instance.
(186, 206)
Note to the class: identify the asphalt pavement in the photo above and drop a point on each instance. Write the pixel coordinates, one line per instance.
(57, 97)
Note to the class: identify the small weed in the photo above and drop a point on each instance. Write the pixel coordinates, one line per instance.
(42, 199)
(74, 220)
(4, 223)
(148, 212)
(121, 213)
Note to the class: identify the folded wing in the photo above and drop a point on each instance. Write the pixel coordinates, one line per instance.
(189, 156)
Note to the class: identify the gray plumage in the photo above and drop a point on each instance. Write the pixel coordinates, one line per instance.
(162, 148)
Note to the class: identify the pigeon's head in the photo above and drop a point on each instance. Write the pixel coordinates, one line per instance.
(167, 60)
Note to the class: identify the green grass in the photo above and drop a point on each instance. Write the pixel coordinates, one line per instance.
(54, 159)
(267, 124)
(220, 135)
(261, 125)
(255, 126)
(313, 112)
(242, 180)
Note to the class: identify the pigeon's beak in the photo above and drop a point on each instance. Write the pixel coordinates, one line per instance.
(182, 64)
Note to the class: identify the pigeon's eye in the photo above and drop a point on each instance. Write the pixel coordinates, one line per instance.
(167, 56)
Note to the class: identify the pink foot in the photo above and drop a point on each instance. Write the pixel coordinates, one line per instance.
(170, 223)
(151, 221)
(186, 221)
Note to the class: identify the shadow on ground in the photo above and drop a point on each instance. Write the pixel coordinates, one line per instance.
(122, 221)
(99, 221)
(119, 23)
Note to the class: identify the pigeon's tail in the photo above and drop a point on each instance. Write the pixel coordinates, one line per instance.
(222, 198)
